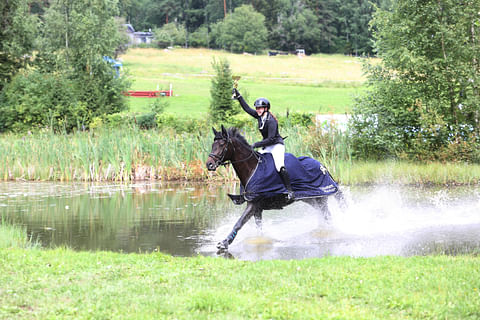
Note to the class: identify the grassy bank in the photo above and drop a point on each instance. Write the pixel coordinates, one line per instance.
(64, 284)
(317, 83)
(12, 236)
(132, 154)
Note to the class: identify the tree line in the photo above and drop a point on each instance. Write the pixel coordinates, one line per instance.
(326, 26)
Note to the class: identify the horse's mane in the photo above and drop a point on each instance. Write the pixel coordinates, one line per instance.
(235, 133)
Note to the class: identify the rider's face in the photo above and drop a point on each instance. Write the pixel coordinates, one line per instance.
(260, 110)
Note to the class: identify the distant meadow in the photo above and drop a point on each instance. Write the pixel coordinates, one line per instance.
(317, 83)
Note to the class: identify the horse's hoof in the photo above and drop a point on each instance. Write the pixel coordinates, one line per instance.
(290, 197)
(222, 245)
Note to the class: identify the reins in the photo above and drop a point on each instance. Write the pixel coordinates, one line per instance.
(220, 159)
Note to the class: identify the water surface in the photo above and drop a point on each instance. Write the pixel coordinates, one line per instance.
(189, 219)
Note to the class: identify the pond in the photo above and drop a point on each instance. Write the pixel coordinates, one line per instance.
(189, 219)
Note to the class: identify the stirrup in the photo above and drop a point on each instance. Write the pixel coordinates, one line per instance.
(290, 196)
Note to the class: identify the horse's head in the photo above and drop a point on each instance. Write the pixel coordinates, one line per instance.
(221, 152)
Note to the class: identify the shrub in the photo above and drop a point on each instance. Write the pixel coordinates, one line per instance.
(303, 119)
(35, 100)
(166, 121)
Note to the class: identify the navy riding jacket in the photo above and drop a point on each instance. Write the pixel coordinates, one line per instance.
(268, 127)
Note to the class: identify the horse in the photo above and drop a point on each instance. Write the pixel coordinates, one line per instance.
(229, 146)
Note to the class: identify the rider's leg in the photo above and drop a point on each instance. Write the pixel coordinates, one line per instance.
(286, 181)
(278, 153)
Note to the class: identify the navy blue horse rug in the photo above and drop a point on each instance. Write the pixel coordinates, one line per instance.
(309, 179)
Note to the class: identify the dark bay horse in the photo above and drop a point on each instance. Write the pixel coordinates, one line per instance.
(229, 146)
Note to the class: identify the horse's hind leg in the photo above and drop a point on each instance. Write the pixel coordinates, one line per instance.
(340, 197)
(258, 218)
(252, 209)
(321, 204)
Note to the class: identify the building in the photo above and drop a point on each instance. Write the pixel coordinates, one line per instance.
(138, 37)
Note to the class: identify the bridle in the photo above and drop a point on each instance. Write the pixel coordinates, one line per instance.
(220, 160)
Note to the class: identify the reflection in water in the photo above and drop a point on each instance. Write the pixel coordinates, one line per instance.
(188, 219)
(133, 218)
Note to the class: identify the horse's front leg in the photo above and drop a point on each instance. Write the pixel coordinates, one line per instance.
(252, 208)
(258, 218)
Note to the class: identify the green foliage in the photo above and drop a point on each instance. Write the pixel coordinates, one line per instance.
(200, 37)
(328, 26)
(158, 105)
(182, 124)
(424, 97)
(221, 104)
(36, 100)
(170, 34)
(303, 119)
(71, 83)
(17, 35)
(298, 28)
(242, 31)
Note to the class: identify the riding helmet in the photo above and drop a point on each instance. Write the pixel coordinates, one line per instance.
(262, 103)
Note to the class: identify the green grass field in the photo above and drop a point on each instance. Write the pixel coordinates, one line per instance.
(63, 284)
(317, 83)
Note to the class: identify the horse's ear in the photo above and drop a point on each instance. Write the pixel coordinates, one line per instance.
(224, 132)
(214, 131)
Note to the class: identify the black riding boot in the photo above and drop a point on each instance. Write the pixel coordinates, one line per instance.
(286, 181)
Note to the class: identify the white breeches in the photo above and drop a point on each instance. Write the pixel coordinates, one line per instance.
(278, 154)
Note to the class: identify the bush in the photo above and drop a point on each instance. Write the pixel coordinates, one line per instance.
(166, 121)
(35, 100)
(303, 119)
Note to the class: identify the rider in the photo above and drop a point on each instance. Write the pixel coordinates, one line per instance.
(272, 141)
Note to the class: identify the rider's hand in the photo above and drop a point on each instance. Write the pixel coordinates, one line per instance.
(256, 145)
(235, 93)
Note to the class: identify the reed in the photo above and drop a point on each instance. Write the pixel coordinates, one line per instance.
(130, 154)
(14, 236)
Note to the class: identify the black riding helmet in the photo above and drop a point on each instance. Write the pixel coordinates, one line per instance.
(262, 103)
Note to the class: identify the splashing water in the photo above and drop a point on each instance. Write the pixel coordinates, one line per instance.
(380, 220)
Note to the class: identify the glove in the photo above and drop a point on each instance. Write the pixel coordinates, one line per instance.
(256, 145)
(235, 94)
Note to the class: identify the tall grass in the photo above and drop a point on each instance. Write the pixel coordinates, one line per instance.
(119, 155)
(129, 154)
(14, 236)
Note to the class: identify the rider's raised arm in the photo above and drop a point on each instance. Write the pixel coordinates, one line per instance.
(244, 104)
(247, 108)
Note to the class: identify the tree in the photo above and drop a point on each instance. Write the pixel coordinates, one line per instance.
(221, 105)
(424, 101)
(170, 34)
(297, 28)
(243, 31)
(70, 82)
(18, 30)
